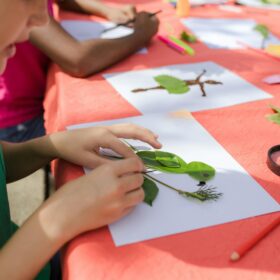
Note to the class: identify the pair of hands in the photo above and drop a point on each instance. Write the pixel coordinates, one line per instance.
(145, 26)
(109, 192)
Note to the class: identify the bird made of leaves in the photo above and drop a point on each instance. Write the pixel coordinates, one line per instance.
(167, 162)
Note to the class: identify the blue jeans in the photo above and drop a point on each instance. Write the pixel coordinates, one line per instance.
(56, 273)
(25, 131)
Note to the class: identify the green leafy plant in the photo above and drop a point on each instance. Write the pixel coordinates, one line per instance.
(171, 163)
(190, 38)
(275, 118)
(177, 86)
(264, 32)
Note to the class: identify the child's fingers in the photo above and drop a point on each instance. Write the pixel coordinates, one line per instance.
(132, 131)
(126, 166)
(130, 10)
(115, 144)
(91, 160)
(132, 181)
(134, 197)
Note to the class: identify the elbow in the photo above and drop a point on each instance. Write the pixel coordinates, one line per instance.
(78, 69)
(84, 64)
(90, 57)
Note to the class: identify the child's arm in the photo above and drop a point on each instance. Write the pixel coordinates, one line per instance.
(90, 202)
(84, 58)
(118, 15)
(78, 146)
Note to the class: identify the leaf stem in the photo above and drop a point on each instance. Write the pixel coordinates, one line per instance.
(162, 183)
(203, 193)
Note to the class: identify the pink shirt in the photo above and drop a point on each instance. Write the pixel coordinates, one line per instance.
(22, 85)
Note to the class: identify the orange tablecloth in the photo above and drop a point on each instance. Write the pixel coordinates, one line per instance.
(242, 130)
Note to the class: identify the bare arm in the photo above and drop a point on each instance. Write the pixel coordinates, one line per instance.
(78, 146)
(115, 14)
(33, 244)
(22, 159)
(99, 198)
(82, 59)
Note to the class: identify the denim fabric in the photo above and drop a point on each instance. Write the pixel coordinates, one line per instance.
(56, 273)
(25, 131)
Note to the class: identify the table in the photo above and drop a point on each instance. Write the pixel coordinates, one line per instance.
(242, 130)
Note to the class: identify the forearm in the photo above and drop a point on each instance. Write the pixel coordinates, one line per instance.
(22, 159)
(81, 59)
(100, 54)
(33, 244)
(84, 6)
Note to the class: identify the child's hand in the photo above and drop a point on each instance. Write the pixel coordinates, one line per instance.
(82, 146)
(146, 26)
(99, 198)
(121, 15)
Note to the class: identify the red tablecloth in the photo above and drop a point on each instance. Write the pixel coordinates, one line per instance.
(242, 130)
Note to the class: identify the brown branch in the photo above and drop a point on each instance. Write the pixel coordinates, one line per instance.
(212, 82)
(188, 83)
(200, 75)
(201, 85)
(146, 89)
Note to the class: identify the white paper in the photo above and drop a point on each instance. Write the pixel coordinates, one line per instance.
(234, 90)
(207, 2)
(85, 30)
(171, 213)
(227, 33)
(258, 4)
(272, 80)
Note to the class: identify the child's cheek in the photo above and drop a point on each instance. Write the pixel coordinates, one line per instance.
(3, 63)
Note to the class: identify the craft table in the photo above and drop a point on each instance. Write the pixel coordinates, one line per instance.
(241, 129)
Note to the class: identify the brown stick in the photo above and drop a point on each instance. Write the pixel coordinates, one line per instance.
(188, 83)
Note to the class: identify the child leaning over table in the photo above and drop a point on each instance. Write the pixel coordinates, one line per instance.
(91, 201)
(22, 86)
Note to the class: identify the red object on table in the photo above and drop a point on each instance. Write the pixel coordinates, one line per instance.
(242, 130)
(254, 240)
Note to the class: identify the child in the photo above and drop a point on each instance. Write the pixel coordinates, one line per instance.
(22, 86)
(94, 200)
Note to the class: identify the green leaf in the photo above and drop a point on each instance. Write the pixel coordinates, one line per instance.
(275, 118)
(274, 108)
(200, 171)
(190, 38)
(172, 84)
(167, 159)
(262, 29)
(162, 162)
(151, 191)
